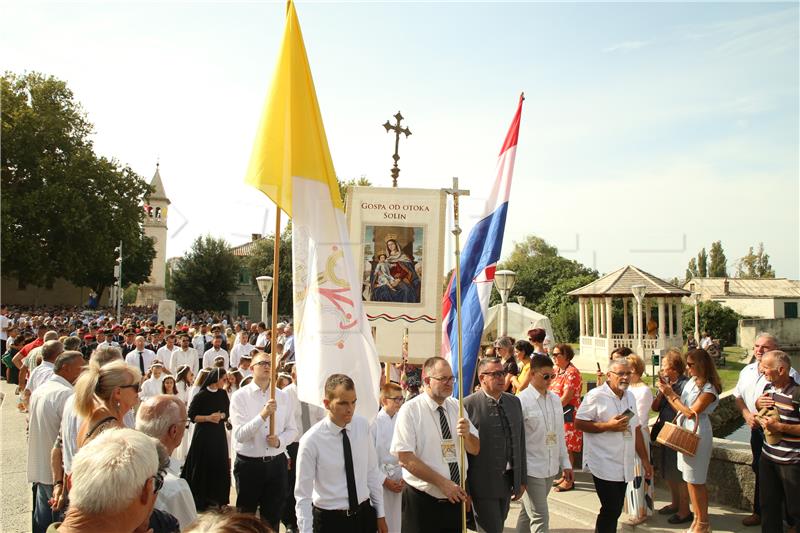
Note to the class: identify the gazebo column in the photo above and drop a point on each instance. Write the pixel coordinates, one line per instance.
(625, 316)
(637, 320)
(647, 313)
(581, 316)
(679, 310)
(671, 304)
(601, 315)
(661, 319)
(595, 320)
(609, 320)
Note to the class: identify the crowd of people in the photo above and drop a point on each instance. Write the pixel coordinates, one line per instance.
(136, 426)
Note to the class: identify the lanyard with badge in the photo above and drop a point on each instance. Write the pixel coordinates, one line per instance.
(449, 454)
(550, 434)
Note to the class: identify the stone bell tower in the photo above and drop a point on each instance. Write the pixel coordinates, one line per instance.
(155, 226)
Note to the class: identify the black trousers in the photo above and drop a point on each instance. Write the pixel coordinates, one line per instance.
(612, 498)
(780, 485)
(289, 518)
(261, 484)
(756, 445)
(422, 513)
(363, 521)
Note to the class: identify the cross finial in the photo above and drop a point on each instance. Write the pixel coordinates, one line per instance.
(456, 192)
(397, 131)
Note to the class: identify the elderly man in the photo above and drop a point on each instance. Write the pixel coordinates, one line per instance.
(114, 484)
(163, 417)
(140, 357)
(748, 388)
(47, 405)
(612, 439)
(426, 443)
(261, 469)
(498, 472)
(288, 344)
(779, 465)
(43, 372)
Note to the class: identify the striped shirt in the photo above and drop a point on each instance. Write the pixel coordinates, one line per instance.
(787, 451)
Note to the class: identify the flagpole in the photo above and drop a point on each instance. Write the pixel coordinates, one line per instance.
(276, 255)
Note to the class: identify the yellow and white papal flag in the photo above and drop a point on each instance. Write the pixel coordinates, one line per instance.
(292, 165)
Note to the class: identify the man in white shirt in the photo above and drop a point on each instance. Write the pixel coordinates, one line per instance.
(163, 417)
(5, 323)
(260, 469)
(498, 472)
(262, 337)
(165, 352)
(200, 339)
(140, 357)
(426, 443)
(382, 431)
(338, 480)
(104, 339)
(545, 445)
(305, 416)
(152, 385)
(749, 387)
(611, 439)
(240, 348)
(47, 405)
(185, 355)
(42, 373)
(214, 352)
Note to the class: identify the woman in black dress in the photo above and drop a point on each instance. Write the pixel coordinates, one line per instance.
(207, 468)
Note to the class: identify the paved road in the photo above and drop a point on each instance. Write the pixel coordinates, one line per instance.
(15, 492)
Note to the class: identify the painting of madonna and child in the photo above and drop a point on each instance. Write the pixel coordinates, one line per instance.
(392, 264)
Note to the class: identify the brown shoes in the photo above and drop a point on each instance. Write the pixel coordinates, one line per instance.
(752, 520)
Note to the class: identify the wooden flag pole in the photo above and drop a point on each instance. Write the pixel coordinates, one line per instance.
(276, 256)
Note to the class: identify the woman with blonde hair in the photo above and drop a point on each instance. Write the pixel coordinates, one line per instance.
(103, 395)
(639, 493)
(699, 398)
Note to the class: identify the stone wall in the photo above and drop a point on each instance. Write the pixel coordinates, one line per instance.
(786, 329)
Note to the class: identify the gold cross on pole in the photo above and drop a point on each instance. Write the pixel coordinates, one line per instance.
(456, 193)
(397, 131)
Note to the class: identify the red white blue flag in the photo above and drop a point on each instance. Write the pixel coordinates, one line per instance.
(479, 258)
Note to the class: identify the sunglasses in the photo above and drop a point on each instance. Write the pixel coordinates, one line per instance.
(134, 386)
(495, 374)
(546, 377)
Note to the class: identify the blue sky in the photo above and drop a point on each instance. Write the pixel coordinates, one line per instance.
(645, 125)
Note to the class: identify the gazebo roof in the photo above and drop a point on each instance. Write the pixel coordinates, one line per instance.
(619, 283)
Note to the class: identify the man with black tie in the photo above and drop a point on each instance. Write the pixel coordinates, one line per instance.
(328, 502)
(140, 357)
(498, 471)
(128, 346)
(426, 443)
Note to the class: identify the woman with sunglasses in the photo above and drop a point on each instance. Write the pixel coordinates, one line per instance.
(207, 467)
(568, 384)
(103, 395)
(699, 399)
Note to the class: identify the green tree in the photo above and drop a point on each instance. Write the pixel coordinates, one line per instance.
(352, 182)
(720, 321)
(260, 263)
(755, 264)
(64, 209)
(691, 269)
(205, 276)
(702, 264)
(539, 269)
(718, 264)
(562, 309)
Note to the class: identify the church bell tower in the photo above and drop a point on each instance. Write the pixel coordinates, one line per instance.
(155, 226)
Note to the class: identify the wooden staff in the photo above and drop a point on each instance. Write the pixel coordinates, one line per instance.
(276, 255)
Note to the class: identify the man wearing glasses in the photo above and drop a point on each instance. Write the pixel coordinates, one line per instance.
(261, 469)
(498, 471)
(426, 441)
(381, 431)
(610, 426)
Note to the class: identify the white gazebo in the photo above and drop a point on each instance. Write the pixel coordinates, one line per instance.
(597, 338)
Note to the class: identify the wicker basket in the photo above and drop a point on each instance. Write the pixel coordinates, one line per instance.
(678, 438)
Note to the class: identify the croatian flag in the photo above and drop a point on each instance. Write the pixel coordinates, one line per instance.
(479, 258)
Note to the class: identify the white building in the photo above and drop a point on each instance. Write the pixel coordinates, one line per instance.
(756, 298)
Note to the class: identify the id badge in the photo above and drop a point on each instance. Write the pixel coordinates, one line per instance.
(550, 439)
(449, 451)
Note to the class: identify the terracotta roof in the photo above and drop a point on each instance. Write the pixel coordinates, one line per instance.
(745, 288)
(619, 283)
(246, 249)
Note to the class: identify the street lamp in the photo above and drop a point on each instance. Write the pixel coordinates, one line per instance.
(638, 293)
(694, 300)
(504, 282)
(264, 286)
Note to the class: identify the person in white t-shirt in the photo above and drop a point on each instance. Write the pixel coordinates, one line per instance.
(185, 355)
(241, 348)
(152, 385)
(165, 352)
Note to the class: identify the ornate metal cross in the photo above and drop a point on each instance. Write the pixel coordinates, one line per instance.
(397, 131)
(456, 192)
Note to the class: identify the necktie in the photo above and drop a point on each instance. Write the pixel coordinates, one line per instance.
(141, 362)
(454, 473)
(352, 496)
(305, 416)
(506, 433)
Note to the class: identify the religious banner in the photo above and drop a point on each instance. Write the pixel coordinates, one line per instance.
(401, 253)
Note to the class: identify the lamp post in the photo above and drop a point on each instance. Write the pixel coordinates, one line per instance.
(504, 282)
(638, 293)
(694, 300)
(264, 286)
